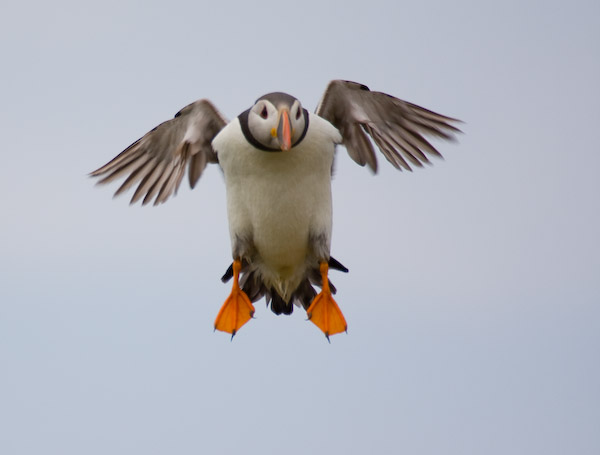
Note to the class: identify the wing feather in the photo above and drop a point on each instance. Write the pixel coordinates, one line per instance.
(148, 182)
(157, 185)
(388, 149)
(397, 127)
(138, 174)
(159, 159)
(123, 167)
(167, 185)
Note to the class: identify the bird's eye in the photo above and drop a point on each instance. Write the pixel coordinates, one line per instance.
(298, 113)
(264, 113)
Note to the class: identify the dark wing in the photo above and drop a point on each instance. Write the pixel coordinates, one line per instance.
(158, 160)
(397, 127)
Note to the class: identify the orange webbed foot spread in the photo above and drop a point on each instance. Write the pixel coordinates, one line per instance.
(237, 309)
(323, 311)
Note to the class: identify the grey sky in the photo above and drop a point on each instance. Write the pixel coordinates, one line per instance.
(473, 294)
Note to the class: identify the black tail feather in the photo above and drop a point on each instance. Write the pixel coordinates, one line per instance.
(228, 274)
(278, 305)
(337, 265)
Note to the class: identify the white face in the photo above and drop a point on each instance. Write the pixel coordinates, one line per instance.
(264, 119)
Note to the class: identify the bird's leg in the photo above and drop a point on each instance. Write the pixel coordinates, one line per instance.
(237, 309)
(323, 311)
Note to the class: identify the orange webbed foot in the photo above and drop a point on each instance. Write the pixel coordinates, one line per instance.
(237, 309)
(324, 312)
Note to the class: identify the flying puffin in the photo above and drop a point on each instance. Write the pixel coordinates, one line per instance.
(277, 161)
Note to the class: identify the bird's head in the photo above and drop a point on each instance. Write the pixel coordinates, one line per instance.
(277, 121)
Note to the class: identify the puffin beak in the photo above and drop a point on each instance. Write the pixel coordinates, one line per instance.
(284, 130)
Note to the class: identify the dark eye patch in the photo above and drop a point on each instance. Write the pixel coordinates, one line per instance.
(264, 113)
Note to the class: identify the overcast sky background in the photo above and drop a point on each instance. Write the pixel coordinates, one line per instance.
(473, 298)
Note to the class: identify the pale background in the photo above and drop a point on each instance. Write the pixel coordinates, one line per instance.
(473, 298)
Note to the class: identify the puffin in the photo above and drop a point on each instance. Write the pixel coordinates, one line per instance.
(277, 160)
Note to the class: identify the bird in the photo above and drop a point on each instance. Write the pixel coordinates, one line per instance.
(277, 162)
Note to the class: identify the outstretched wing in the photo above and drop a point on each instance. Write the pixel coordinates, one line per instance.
(397, 127)
(158, 160)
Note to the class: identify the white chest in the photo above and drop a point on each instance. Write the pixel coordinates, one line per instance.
(278, 199)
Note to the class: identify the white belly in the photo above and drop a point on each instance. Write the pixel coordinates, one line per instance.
(278, 200)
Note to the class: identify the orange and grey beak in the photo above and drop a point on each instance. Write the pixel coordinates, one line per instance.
(284, 130)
